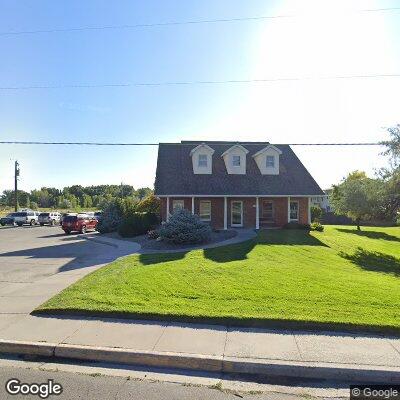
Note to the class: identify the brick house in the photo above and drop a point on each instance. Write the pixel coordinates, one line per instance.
(229, 185)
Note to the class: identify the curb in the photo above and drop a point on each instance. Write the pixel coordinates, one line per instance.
(272, 368)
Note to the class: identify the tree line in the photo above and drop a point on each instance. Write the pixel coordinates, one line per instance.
(73, 197)
(363, 198)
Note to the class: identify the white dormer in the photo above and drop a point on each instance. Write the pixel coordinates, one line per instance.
(202, 159)
(267, 160)
(235, 159)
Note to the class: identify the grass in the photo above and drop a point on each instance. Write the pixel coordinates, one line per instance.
(336, 278)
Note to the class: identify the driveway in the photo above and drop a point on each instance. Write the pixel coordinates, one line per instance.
(38, 262)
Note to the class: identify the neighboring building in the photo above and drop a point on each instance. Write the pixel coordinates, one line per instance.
(322, 201)
(229, 184)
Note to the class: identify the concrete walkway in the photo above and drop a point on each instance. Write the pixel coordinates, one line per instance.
(326, 355)
(242, 235)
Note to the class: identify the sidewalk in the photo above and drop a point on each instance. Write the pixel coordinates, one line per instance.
(327, 355)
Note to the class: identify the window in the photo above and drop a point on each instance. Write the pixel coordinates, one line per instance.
(294, 210)
(270, 162)
(177, 205)
(203, 160)
(205, 210)
(236, 161)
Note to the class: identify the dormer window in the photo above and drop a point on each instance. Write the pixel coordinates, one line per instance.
(235, 161)
(267, 160)
(202, 161)
(270, 162)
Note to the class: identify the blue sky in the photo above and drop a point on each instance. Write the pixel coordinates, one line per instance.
(326, 38)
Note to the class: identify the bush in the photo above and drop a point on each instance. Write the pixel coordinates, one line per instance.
(296, 225)
(153, 234)
(137, 224)
(114, 212)
(33, 205)
(184, 227)
(316, 226)
(149, 204)
(316, 213)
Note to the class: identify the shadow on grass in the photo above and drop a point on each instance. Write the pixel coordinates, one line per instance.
(291, 237)
(374, 261)
(233, 252)
(370, 234)
(157, 258)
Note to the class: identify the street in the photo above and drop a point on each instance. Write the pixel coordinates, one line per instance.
(85, 381)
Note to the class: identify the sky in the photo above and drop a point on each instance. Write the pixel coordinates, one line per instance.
(316, 40)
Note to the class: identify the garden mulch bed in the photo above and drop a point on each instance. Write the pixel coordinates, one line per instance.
(152, 244)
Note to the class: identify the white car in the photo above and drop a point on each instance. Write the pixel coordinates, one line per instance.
(51, 218)
(26, 217)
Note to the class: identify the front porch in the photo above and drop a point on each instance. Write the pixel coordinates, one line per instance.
(256, 212)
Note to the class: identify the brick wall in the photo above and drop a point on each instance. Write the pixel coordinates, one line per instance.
(303, 210)
(249, 209)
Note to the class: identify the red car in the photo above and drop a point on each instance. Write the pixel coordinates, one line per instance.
(78, 223)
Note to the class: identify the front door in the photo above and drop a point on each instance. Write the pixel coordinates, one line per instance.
(267, 211)
(237, 213)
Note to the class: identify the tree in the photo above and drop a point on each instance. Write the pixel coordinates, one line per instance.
(393, 145)
(143, 192)
(357, 197)
(149, 204)
(316, 213)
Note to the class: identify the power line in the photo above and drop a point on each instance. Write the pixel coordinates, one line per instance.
(187, 83)
(178, 23)
(182, 144)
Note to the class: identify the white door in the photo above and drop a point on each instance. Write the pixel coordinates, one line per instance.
(237, 213)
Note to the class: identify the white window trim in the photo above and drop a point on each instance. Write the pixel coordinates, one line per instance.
(266, 161)
(298, 211)
(232, 224)
(233, 162)
(202, 219)
(178, 201)
(206, 160)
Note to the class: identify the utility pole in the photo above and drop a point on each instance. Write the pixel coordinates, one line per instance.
(16, 175)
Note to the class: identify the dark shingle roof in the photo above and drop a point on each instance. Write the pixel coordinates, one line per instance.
(175, 175)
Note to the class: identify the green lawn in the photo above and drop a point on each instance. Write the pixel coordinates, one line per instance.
(336, 278)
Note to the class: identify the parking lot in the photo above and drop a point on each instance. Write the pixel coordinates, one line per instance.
(37, 262)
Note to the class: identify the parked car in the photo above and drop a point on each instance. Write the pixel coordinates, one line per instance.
(51, 218)
(66, 215)
(26, 217)
(78, 223)
(8, 219)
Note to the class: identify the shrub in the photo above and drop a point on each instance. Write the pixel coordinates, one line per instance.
(153, 234)
(184, 227)
(316, 213)
(137, 224)
(316, 226)
(296, 225)
(111, 218)
(33, 205)
(149, 204)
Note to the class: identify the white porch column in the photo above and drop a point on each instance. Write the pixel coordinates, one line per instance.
(288, 209)
(167, 209)
(192, 205)
(225, 213)
(309, 210)
(257, 214)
